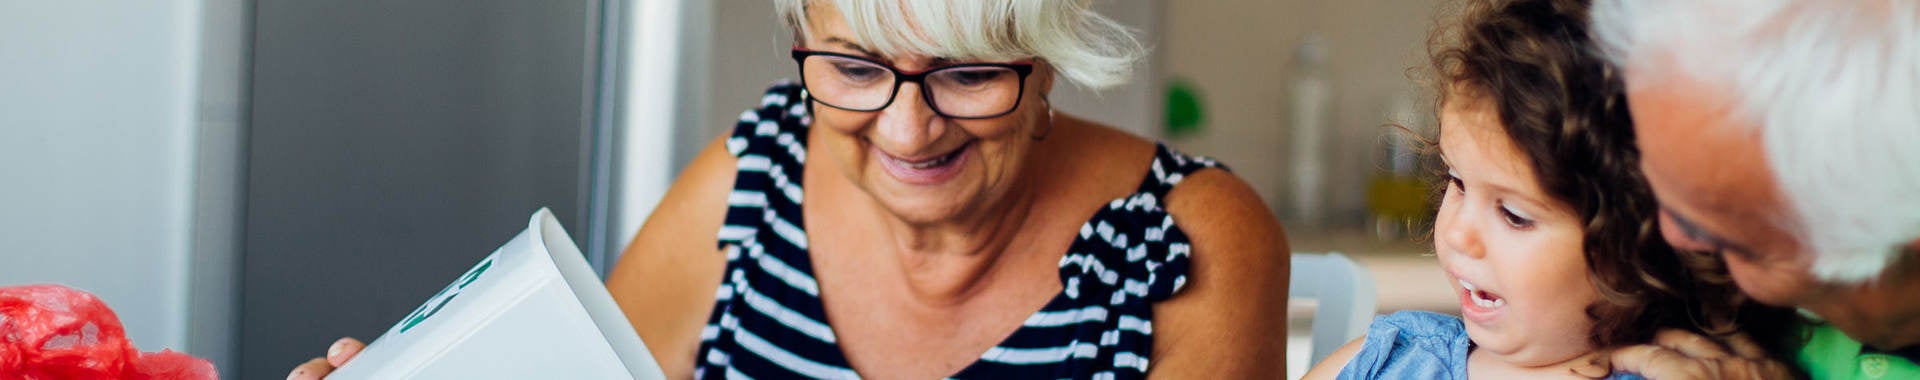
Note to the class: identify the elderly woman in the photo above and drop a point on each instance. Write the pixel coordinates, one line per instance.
(915, 208)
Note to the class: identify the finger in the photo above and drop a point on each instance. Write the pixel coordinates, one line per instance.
(1771, 369)
(1657, 362)
(311, 370)
(1733, 368)
(1746, 347)
(1690, 344)
(1738, 369)
(342, 350)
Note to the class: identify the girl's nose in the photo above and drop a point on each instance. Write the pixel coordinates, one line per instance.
(1460, 231)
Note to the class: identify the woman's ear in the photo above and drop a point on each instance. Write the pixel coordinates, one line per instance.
(1045, 70)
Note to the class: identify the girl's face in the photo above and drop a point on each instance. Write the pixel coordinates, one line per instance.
(922, 167)
(1513, 252)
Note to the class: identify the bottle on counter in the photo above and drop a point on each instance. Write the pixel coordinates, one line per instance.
(1399, 198)
(1310, 93)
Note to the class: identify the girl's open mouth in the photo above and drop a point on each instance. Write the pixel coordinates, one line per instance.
(1479, 305)
(1482, 298)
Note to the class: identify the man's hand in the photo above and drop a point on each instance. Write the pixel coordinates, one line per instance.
(1680, 355)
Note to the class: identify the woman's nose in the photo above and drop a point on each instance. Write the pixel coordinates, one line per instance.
(909, 124)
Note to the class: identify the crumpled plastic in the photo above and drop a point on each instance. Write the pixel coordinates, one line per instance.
(56, 332)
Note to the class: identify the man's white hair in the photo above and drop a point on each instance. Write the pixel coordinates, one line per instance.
(1084, 47)
(1833, 87)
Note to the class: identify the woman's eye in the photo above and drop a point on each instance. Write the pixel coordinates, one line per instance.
(974, 77)
(858, 72)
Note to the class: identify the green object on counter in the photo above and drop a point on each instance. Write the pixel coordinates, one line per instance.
(1185, 115)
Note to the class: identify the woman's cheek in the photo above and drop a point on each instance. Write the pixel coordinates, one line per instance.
(842, 121)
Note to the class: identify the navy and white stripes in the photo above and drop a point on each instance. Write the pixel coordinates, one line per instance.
(768, 321)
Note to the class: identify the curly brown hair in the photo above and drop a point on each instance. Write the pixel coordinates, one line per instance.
(1565, 109)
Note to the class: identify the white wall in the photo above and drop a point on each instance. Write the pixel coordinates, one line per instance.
(1237, 54)
(1136, 105)
(113, 116)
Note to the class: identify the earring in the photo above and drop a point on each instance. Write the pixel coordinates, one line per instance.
(1043, 133)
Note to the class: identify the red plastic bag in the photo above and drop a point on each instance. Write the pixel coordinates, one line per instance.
(56, 332)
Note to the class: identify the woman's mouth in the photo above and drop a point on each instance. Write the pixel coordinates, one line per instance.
(925, 170)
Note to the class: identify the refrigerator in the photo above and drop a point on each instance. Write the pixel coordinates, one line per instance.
(392, 144)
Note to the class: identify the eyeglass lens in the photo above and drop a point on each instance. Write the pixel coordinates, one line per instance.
(955, 91)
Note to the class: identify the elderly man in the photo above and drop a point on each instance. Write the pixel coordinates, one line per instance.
(1785, 135)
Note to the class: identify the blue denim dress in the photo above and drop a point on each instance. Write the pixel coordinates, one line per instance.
(1417, 345)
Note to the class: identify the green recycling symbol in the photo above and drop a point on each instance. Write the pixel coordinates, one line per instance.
(441, 299)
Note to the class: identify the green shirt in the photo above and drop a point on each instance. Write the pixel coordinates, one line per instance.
(1830, 354)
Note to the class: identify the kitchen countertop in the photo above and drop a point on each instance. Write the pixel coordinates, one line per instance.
(1405, 273)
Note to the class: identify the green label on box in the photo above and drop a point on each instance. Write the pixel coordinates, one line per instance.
(441, 299)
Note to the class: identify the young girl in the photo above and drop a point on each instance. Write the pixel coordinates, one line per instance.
(1546, 230)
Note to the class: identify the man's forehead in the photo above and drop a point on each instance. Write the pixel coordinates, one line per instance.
(1703, 159)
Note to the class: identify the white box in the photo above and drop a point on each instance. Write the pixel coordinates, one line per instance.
(531, 310)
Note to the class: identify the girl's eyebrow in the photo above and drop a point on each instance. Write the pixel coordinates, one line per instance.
(1545, 202)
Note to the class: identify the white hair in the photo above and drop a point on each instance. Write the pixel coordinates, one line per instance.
(1833, 87)
(1084, 47)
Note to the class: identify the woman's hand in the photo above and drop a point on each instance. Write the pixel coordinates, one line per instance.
(1676, 354)
(337, 355)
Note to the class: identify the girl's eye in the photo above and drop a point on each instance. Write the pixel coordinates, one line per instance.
(1453, 180)
(1514, 219)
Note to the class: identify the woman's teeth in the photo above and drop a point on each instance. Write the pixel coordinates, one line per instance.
(929, 164)
(1482, 298)
(933, 163)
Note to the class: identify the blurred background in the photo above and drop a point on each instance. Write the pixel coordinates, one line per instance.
(245, 180)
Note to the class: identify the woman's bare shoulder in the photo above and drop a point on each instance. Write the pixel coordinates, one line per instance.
(1230, 318)
(1106, 162)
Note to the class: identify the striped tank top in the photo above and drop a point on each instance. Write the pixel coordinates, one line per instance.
(768, 321)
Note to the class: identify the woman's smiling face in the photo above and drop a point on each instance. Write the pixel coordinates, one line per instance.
(1513, 252)
(922, 167)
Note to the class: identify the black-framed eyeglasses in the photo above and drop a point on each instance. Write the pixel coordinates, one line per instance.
(963, 91)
